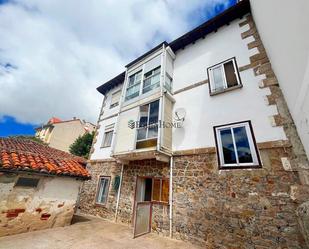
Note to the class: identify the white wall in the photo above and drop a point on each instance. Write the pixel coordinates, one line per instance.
(99, 152)
(205, 111)
(285, 36)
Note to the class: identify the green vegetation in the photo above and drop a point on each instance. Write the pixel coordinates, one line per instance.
(82, 145)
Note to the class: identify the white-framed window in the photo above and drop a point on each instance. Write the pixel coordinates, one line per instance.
(102, 190)
(147, 130)
(115, 99)
(133, 87)
(236, 146)
(168, 82)
(151, 80)
(223, 76)
(107, 138)
(144, 79)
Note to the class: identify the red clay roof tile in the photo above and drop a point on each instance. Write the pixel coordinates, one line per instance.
(27, 155)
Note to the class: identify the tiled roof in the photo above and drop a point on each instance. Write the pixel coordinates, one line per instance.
(26, 155)
(54, 120)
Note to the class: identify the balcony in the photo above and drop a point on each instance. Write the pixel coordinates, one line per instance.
(146, 104)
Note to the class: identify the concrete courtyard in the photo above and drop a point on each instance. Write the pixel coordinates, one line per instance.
(89, 234)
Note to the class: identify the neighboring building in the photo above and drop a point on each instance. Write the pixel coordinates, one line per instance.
(286, 41)
(61, 134)
(39, 186)
(227, 174)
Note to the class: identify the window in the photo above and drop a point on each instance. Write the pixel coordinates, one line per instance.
(151, 80)
(160, 190)
(147, 130)
(168, 82)
(102, 192)
(236, 146)
(115, 99)
(133, 86)
(223, 76)
(27, 182)
(107, 139)
(154, 189)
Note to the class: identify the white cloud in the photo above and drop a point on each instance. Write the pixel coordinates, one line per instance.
(60, 51)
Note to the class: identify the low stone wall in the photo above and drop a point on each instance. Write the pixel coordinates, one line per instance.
(50, 204)
(239, 208)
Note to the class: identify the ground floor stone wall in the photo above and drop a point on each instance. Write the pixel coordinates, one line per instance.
(24, 209)
(240, 208)
(150, 168)
(87, 203)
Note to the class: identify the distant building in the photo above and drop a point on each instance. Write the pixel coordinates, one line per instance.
(39, 186)
(61, 134)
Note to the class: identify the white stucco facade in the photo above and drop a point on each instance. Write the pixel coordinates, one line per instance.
(285, 36)
(108, 117)
(204, 111)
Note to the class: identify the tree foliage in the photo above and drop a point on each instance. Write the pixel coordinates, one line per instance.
(82, 145)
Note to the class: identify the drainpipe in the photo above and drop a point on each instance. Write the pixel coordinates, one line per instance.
(119, 190)
(171, 197)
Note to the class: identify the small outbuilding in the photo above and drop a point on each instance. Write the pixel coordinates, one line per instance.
(39, 186)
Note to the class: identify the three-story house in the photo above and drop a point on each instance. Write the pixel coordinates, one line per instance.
(193, 141)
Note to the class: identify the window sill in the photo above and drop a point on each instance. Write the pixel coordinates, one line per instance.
(103, 147)
(114, 105)
(240, 167)
(100, 205)
(225, 90)
(160, 203)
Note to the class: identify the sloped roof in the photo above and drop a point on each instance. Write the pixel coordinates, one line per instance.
(54, 120)
(24, 155)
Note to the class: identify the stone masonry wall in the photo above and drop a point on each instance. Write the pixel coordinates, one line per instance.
(88, 194)
(239, 208)
(160, 221)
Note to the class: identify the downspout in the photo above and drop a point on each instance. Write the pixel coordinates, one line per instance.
(171, 197)
(161, 109)
(119, 191)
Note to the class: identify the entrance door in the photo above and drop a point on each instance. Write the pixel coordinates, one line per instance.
(143, 206)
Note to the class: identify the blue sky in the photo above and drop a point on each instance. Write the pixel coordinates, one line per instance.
(52, 58)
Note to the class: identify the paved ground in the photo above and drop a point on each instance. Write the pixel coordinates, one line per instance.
(91, 234)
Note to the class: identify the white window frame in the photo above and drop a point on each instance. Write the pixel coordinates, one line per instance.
(104, 138)
(112, 105)
(151, 76)
(253, 148)
(140, 83)
(137, 69)
(106, 178)
(221, 66)
(169, 86)
(148, 126)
